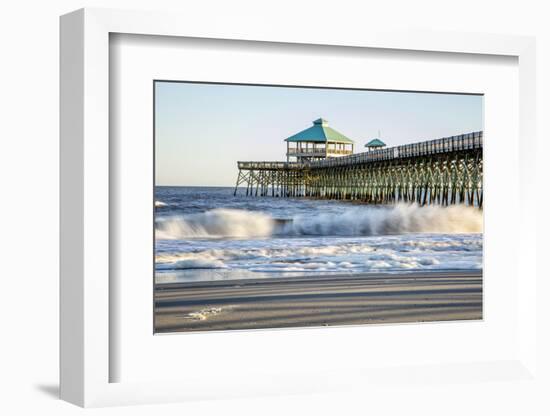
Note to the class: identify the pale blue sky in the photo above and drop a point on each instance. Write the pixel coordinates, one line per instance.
(202, 130)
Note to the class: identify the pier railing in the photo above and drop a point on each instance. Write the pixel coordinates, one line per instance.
(463, 142)
(317, 152)
(271, 165)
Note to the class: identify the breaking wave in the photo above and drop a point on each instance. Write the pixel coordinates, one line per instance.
(352, 221)
(216, 223)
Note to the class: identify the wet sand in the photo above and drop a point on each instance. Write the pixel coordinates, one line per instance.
(318, 301)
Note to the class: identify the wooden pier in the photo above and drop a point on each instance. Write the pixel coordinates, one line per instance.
(443, 171)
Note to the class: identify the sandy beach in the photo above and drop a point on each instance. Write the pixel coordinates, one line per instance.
(318, 301)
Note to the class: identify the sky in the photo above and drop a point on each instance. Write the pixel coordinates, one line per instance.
(202, 130)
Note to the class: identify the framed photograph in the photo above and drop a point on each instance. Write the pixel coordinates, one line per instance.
(320, 229)
(247, 215)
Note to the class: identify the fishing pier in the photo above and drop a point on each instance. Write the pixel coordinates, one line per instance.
(444, 171)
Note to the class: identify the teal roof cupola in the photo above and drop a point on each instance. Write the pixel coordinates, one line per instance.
(374, 143)
(320, 132)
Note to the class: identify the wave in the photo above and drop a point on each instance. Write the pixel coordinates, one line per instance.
(217, 223)
(397, 219)
(352, 221)
(198, 262)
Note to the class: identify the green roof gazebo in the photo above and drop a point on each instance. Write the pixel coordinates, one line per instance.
(375, 144)
(318, 142)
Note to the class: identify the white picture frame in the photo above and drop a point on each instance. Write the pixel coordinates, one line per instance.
(86, 355)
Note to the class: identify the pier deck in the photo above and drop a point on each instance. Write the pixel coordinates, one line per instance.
(443, 171)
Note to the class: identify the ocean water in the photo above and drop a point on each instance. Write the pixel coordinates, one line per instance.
(206, 233)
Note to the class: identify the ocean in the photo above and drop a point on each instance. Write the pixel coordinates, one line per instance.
(206, 233)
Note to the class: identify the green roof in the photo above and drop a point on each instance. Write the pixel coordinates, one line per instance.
(375, 143)
(320, 132)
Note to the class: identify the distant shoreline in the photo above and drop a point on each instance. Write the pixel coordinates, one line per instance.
(319, 276)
